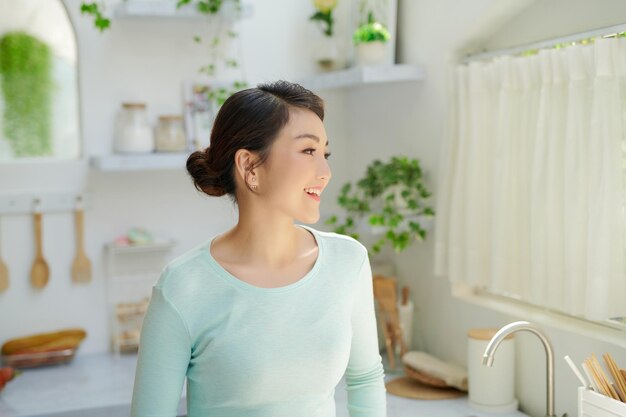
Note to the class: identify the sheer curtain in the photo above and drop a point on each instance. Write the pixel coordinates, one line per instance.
(531, 193)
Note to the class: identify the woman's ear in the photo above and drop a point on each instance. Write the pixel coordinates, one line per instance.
(244, 160)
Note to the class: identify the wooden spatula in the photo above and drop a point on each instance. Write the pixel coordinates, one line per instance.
(4, 273)
(40, 272)
(81, 267)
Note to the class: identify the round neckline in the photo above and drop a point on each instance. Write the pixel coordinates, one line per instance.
(230, 278)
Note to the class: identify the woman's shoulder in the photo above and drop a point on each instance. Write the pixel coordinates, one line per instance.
(185, 266)
(337, 244)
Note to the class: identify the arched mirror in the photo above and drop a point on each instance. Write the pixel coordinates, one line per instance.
(39, 102)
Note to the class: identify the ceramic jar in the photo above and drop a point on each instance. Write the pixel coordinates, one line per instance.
(133, 133)
(170, 134)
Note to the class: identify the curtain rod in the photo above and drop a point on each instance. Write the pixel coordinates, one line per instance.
(608, 31)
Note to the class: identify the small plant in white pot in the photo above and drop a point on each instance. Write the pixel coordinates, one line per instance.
(370, 40)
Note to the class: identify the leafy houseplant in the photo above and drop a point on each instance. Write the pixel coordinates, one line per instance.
(27, 86)
(327, 50)
(370, 40)
(324, 14)
(207, 7)
(397, 188)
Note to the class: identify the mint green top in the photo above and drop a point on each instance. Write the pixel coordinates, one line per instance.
(248, 351)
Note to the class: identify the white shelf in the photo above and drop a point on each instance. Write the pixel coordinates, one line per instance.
(363, 75)
(167, 9)
(139, 162)
(157, 245)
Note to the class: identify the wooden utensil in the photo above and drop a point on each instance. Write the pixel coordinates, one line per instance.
(405, 295)
(40, 272)
(385, 295)
(602, 378)
(4, 272)
(81, 267)
(620, 381)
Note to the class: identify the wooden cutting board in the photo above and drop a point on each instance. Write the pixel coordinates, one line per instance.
(409, 388)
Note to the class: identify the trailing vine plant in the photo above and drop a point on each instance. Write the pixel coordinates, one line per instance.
(215, 42)
(26, 70)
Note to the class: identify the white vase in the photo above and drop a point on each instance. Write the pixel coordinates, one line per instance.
(371, 53)
(328, 54)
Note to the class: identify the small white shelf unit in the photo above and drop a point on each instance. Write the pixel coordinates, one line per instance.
(167, 9)
(362, 75)
(131, 272)
(140, 162)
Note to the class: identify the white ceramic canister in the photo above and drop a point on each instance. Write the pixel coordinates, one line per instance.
(491, 389)
(133, 133)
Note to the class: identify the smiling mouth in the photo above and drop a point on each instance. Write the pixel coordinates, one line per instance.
(313, 196)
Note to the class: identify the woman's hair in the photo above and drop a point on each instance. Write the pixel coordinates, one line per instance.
(249, 119)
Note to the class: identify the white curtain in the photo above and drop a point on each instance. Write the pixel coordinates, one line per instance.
(531, 194)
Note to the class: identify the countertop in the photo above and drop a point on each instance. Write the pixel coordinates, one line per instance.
(101, 384)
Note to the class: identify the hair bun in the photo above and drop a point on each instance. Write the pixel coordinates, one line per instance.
(205, 179)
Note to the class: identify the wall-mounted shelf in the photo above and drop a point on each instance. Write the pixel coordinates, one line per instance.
(168, 9)
(155, 246)
(363, 75)
(140, 162)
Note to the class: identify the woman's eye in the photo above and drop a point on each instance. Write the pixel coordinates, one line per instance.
(326, 155)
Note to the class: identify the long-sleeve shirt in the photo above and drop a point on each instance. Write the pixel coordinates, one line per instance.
(248, 351)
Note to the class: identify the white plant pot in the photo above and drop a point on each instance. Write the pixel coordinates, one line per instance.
(371, 53)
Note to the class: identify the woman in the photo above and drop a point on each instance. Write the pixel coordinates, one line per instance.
(264, 319)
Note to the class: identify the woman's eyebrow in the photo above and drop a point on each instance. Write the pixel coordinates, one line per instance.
(310, 136)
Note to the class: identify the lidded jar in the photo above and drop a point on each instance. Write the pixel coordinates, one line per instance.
(170, 134)
(491, 388)
(133, 133)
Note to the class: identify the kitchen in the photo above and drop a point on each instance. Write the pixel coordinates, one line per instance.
(150, 60)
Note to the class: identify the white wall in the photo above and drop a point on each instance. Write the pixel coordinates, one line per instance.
(433, 34)
(144, 60)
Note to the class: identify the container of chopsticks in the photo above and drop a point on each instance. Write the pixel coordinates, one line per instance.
(592, 404)
(605, 394)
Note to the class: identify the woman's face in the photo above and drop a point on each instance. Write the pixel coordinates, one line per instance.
(297, 161)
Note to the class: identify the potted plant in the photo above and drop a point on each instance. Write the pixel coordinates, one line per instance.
(370, 40)
(392, 195)
(327, 51)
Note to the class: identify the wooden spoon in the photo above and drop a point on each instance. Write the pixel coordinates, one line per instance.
(81, 267)
(4, 274)
(40, 272)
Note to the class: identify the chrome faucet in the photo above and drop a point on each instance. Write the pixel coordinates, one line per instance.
(524, 325)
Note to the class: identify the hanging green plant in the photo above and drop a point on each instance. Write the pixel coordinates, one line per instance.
(26, 70)
(397, 187)
(207, 7)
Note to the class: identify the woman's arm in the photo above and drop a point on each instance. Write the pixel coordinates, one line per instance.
(164, 354)
(365, 373)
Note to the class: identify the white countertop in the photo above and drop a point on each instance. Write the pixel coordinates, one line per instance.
(101, 384)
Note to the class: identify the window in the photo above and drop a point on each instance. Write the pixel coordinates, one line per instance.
(531, 200)
(39, 104)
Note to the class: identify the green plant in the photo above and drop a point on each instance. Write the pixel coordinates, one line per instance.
(324, 14)
(215, 52)
(26, 68)
(370, 31)
(398, 188)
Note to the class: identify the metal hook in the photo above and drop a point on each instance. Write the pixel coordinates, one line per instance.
(37, 205)
(80, 204)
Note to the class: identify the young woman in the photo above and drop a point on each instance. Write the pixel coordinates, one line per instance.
(264, 319)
